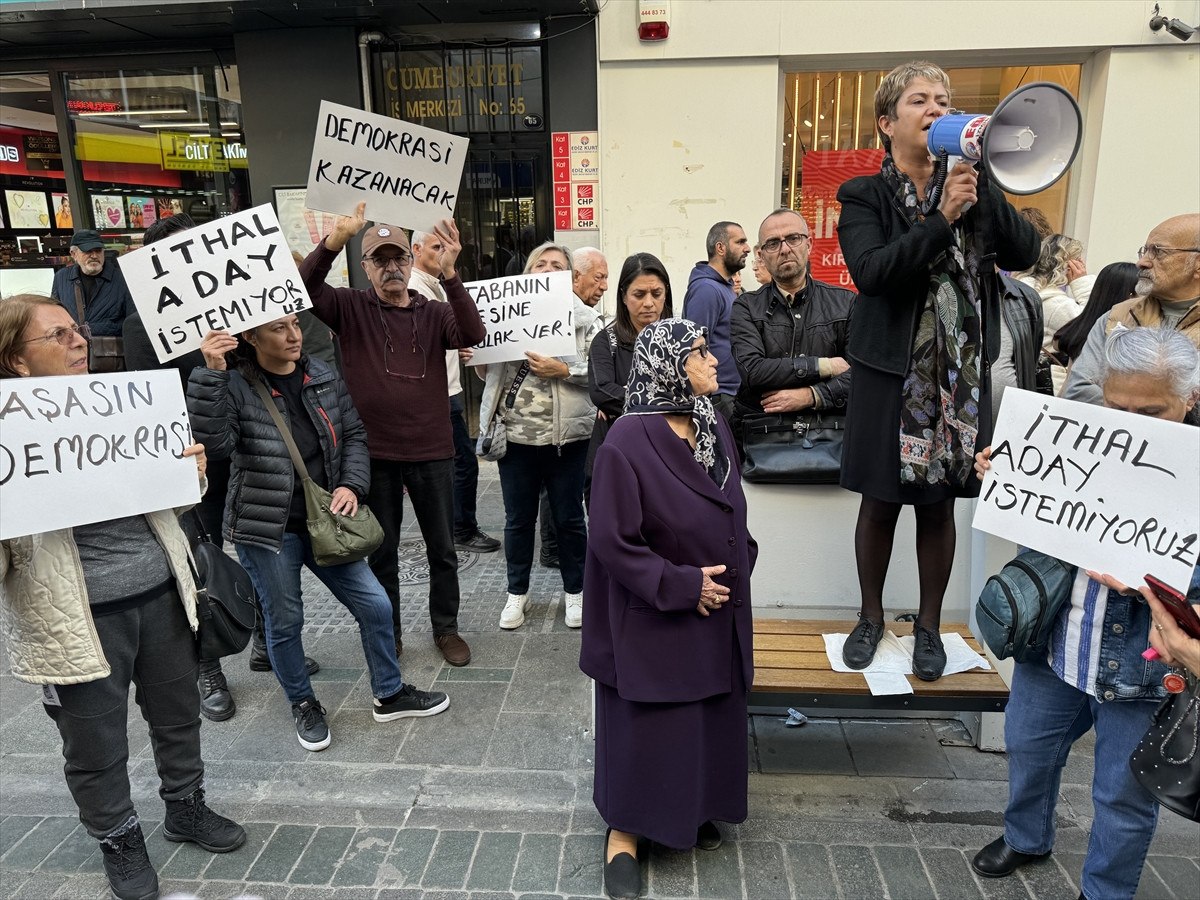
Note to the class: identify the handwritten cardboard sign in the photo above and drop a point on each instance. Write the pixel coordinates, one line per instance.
(408, 174)
(1103, 489)
(226, 275)
(524, 312)
(77, 449)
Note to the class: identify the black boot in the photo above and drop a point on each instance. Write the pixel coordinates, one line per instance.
(127, 865)
(216, 703)
(260, 662)
(190, 819)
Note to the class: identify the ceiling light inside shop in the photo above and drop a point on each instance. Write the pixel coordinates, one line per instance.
(152, 125)
(134, 112)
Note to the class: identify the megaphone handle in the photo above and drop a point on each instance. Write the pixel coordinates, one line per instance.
(940, 170)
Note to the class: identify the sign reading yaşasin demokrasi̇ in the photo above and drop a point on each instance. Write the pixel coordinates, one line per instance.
(1106, 490)
(226, 275)
(524, 312)
(76, 449)
(408, 174)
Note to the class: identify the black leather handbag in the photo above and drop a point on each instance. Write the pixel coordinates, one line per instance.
(1166, 762)
(226, 605)
(793, 448)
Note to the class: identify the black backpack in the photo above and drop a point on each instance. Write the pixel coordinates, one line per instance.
(1018, 605)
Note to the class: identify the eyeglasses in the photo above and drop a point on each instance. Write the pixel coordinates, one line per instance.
(64, 336)
(702, 350)
(795, 241)
(384, 262)
(1154, 251)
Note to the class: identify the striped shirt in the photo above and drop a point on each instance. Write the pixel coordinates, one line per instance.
(1074, 653)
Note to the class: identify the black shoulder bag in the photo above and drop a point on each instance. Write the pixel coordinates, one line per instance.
(793, 448)
(226, 605)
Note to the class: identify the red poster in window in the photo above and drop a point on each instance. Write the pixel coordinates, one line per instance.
(824, 173)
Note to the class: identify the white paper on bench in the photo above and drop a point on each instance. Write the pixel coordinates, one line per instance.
(894, 655)
(884, 684)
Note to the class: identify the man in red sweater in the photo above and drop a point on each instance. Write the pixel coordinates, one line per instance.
(393, 344)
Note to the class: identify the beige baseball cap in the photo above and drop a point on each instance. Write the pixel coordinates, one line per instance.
(383, 236)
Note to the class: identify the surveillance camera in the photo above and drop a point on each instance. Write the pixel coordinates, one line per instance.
(1177, 28)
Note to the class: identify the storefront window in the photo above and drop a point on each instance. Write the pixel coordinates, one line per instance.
(152, 143)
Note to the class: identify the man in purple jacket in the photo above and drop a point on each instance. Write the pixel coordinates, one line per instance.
(393, 345)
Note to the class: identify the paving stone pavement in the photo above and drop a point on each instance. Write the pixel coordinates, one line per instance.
(492, 799)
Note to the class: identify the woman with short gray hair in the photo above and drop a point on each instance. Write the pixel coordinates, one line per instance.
(1094, 675)
(1061, 279)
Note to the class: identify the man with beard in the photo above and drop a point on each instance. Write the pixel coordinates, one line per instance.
(394, 342)
(709, 300)
(789, 336)
(1168, 295)
(95, 285)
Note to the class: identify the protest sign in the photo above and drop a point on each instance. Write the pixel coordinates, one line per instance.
(76, 449)
(524, 312)
(226, 275)
(407, 174)
(1103, 489)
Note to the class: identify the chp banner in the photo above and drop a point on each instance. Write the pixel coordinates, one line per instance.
(77, 449)
(524, 312)
(824, 173)
(1099, 488)
(226, 275)
(408, 174)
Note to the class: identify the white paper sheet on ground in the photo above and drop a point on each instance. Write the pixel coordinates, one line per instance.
(884, 684)
(959, 656)
(891, 656)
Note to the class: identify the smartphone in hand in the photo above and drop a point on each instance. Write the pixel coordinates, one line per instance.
(1181, 611)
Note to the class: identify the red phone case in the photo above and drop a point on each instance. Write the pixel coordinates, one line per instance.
(1181, 611)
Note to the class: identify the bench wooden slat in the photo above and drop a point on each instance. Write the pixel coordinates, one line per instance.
(829, 682)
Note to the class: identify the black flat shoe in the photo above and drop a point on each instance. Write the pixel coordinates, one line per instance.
(859, 649)
(622, 875)
(929, 656)
(998, 860)
(708, 836)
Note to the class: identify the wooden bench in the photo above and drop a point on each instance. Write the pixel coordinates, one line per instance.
(792, 669)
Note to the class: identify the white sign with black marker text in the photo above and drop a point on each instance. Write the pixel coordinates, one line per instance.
(76, 449)
(1099, 488)
(226, 275)
(408, 174)
(524, 312)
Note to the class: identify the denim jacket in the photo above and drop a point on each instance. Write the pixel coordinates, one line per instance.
(1122, 673)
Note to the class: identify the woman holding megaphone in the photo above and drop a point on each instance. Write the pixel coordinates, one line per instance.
(922, 251)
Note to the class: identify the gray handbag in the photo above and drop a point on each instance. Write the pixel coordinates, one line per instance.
(493, 440)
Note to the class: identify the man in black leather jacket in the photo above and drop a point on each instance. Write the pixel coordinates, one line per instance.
(789, 337)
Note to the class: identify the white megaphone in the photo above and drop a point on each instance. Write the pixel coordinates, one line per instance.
(1027, 144)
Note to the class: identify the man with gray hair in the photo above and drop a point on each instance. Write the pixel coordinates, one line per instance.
(1168, 295)
(425, 279)
(709, 301)
(589, 282)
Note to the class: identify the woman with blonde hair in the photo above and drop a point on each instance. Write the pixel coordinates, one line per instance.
(548, 415)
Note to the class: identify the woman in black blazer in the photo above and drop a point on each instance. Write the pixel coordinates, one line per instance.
(924, 331)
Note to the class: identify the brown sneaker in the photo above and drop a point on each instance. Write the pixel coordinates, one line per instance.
(453, 648)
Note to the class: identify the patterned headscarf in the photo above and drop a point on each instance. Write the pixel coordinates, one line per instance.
(659, 384)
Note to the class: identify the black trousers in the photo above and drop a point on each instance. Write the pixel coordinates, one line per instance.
(466, 472)
(151, 647)
(431, 493)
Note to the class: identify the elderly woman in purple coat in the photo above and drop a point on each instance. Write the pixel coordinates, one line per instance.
(667, 626)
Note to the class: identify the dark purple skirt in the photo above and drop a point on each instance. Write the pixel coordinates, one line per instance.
(664, 769)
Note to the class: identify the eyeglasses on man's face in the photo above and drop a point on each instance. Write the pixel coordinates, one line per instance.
(1154, 251)
(383, 263)
(795, 241)
(65, 336)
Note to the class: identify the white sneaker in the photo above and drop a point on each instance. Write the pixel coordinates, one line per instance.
(514, 611)
(574, 613)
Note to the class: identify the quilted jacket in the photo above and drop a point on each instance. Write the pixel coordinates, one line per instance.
(228, 417)
(47, 621)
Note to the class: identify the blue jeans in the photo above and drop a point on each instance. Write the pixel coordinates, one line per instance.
(524, 470)
(276, 577)
(1045, 716)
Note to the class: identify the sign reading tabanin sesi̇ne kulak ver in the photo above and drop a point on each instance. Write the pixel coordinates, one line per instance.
(230, 274)
(76, 449)
(1104, 489)
(408, 174)
(524, 312)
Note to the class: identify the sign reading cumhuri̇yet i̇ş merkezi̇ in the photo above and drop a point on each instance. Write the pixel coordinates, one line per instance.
(230, 274)
(524, 312)
(77, 449)
(1103, 489)
(408, 175)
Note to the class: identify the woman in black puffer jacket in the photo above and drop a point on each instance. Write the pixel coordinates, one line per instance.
(265, 516)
